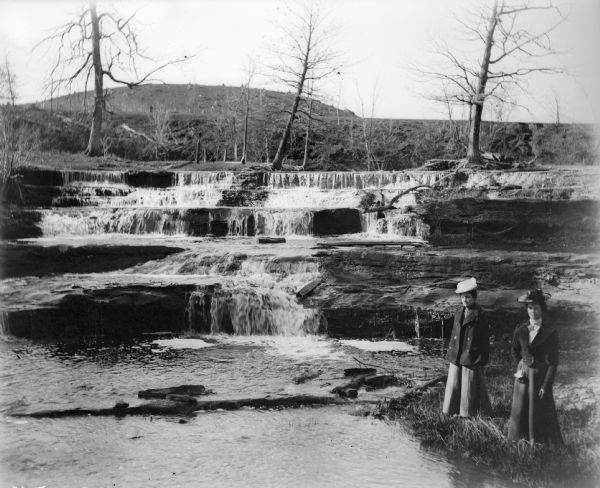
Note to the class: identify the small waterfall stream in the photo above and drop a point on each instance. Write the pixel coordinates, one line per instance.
(251, 311)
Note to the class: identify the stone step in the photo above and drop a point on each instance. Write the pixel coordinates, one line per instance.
(220, 222)
(363, 294)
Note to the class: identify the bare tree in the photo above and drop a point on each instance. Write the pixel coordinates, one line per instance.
(98, 45)
(160, 120)
(309, 117)
(250, 71)
(511, 52)
(306, 58)
(17, 141)
(367, 121)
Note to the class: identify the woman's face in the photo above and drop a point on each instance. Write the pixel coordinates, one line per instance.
(534, 310)
(467, 299)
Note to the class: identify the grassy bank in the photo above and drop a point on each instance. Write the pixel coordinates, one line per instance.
(482, 441)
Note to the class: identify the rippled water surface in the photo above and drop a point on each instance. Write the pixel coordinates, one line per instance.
(309, 446)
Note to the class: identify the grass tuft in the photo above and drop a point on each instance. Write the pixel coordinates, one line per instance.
(483, 441)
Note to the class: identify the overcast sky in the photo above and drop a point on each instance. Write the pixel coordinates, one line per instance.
(379, 41)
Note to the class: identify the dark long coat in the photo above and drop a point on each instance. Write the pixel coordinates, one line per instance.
(532, 417)
(470, 340)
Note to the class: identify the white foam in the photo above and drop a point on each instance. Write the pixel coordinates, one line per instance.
(376, 346)
(297, 348)
(182, 343)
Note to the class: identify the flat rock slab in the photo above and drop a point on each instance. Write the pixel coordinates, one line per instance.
(156, 407)
(182, 390)
(25, 259)
(185, 406)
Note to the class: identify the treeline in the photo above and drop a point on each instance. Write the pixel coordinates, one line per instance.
(191, 122)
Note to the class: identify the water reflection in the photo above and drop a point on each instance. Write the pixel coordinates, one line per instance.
(300, 447)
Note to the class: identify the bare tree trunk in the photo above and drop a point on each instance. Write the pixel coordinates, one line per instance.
(283, 142)
(245, 143)
(94, 147)
(267, 148)
(204, 154)
(225, 154)
(197, 158)
(278, 159)
(310, 105)
(366, 141)
(473, 151)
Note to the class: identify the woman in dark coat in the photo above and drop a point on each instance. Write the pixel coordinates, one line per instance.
(468, 351)
(535, 344)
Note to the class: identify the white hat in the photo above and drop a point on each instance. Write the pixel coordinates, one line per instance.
(466, 285)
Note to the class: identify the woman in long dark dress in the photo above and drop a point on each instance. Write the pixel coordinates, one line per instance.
(535, 344)
(468, 352)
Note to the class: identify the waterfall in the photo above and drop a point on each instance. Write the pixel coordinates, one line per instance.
(226, 203)
(179, 196)
(215, 179)
(251, 311)
(288, 223)
(120, 221)
(394, 224)
(244, 222)
(96, 178)
(357, 180)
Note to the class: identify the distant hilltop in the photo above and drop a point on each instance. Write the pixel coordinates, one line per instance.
(206, 123)
(203, 100)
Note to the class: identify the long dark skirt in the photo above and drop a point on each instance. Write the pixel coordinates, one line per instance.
(533, 418)
(466, 392)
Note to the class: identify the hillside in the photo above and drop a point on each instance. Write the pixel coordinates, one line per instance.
(202, 100)
(180, 122)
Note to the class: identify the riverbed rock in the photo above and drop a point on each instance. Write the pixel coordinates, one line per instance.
(337, 221)
(180, 391)
(18, 223)
(359, 371)
(518, 224)
(182, 398)
(28, 259)
(379, 381)
(306, 375)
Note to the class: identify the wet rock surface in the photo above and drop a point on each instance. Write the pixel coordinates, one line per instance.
(182, 390)
(518, 224)
(505, 228)
(118, 312)
(28, 259)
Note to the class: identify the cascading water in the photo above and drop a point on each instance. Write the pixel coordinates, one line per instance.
(251, 311)
(244, 222)
(284, 204)
(90, 178)
(394, 225)
(118, 221)
(223, 180)
(351, 180)
(238, 264)
(180, 196)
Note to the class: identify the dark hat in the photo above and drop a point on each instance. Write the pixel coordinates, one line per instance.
(534, 296)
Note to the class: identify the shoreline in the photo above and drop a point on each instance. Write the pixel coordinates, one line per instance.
(482, 440)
